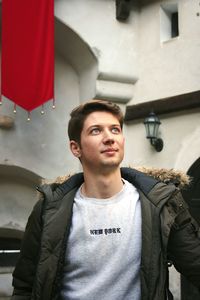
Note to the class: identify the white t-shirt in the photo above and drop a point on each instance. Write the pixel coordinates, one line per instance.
(104, 248)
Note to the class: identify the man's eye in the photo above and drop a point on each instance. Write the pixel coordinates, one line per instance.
(116, 130)
(95, 131)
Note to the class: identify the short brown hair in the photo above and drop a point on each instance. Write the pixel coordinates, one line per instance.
(79, 114)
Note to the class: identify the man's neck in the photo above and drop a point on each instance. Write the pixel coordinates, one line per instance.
(102, 186)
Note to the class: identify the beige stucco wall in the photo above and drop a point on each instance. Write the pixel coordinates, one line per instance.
(171, 67)
(114, 43)
(180, 133)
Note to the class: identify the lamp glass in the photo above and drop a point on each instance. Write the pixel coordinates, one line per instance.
(152, 123)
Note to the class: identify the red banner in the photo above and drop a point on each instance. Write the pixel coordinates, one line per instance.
(28, 52)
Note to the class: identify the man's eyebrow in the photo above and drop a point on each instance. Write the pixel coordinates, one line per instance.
(101, 125)
(95, 125)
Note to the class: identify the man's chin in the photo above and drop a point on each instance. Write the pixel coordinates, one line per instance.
(111, 164)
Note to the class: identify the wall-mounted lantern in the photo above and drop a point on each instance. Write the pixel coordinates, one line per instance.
(152, 124)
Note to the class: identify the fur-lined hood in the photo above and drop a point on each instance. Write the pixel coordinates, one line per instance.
(179, 178)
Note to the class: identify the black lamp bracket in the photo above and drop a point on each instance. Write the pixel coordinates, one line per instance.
(157, 143)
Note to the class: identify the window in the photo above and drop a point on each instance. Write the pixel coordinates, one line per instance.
(169, 21)
(174, 24)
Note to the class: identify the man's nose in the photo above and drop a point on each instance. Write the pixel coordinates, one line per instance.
(108, 137)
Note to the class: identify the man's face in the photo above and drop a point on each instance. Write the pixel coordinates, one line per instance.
(101, 143)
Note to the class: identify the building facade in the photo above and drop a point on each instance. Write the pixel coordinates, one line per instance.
(142, 54)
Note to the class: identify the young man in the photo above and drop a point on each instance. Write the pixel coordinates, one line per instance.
(106, 233)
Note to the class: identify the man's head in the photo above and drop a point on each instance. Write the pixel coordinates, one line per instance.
(96, 138)
(80, 113)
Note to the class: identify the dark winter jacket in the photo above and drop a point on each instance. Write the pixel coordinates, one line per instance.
(168, 232)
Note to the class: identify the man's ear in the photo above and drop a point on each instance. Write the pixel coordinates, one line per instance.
(75, 148)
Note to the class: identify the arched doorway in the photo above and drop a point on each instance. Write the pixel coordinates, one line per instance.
(192, 197)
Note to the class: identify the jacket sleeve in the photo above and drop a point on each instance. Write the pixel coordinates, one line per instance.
(24, 273)
(184, 243)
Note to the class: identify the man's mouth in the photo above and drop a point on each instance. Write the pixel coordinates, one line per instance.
(109, 150)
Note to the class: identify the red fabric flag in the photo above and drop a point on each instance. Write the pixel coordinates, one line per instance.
(28, 52)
